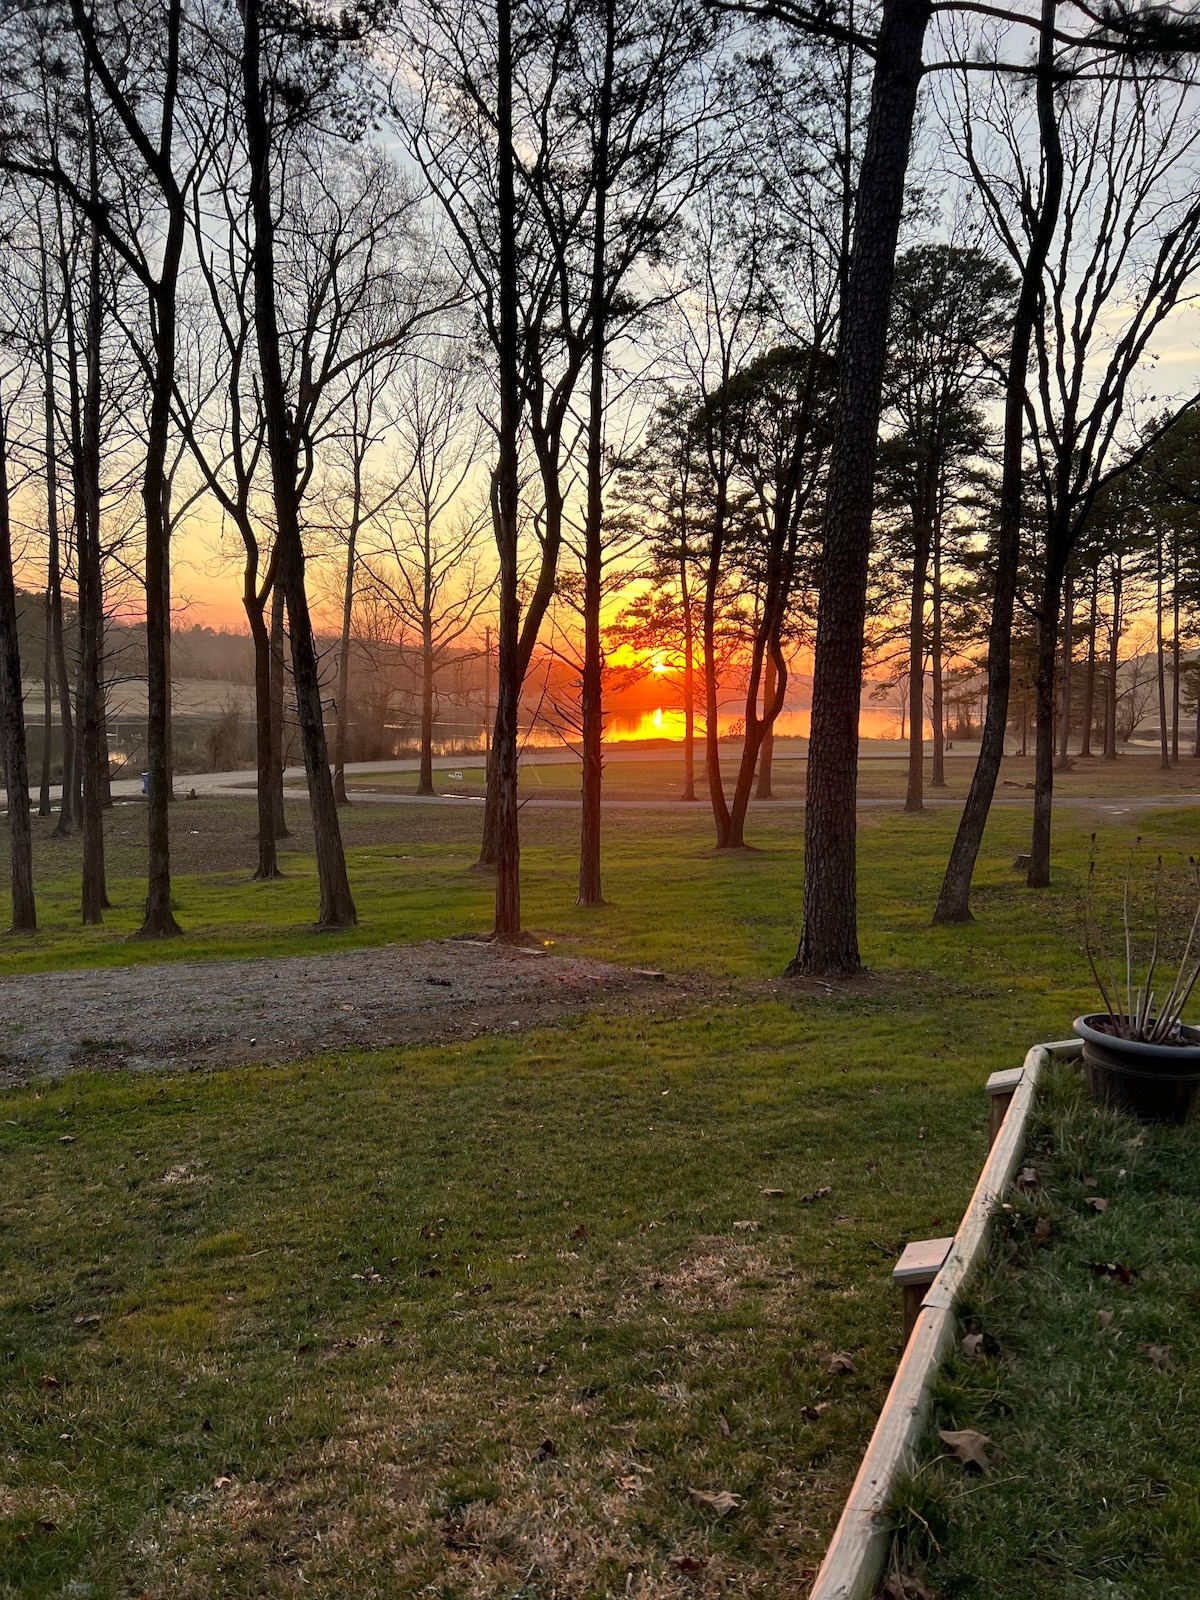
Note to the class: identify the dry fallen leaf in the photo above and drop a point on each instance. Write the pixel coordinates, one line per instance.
(87, 1318)
(817, 1194)
(972, 1345)
(773, 1194)
(1159, 1355)
(811, 1413)
(222, 1483)
(723, 1424)
(66, 1138)
(841, 1363)
(747, 1227)
(687, 1563)
(1113, 1269)
(1097, 1203)
(631, 1483)
(721, 1500)
(1043, 1232)
(967, 1447)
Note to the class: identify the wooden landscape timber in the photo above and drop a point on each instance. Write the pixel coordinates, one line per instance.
(854, 1560)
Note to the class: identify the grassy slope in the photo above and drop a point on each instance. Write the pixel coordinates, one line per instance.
(383, 1438)
(1098, 1491)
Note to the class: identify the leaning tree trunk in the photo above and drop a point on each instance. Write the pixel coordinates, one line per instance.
(712, 745)
(954, 901)
(829, 932)
(337, 908)
(16, 767)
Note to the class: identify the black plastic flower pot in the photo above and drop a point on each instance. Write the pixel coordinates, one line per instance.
(1156, 1082)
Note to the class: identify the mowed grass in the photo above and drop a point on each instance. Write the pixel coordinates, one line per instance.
(1087, 1386)
(476, 1320)
(657, 776)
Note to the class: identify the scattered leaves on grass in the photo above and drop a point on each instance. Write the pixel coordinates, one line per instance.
(723, 1424)
(811, 1413)
(817, 1194)
(222, 1483)
(580, 1232)
(967, 1447)
(86, 1319)
(1104, 1318)
(631, 1483)
(66, 1138)
(841, 1364)
(1043, 1233)
(722, 1501)
(747, 1226)
(1159, 1355)
(546, 1451)
(1097, 1202)
(773, 1194)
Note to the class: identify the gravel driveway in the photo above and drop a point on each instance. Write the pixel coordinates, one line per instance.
(224, 1012)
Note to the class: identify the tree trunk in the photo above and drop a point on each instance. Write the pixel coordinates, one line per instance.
(914, 796)
(253, 602)
(954, 900)
(91, 606)
(689, 688)
(278, 701)
(829, 933)
(1038, 876)
(1175, 652)
(12, 709)
(590, 890)
(159, 921)
(343, 688)
(1068, 638)
(47, 711)
(767, 752)
(712, 746)
(1160, 665)
(337, 908)
(425, 780)
(1089, 678)
(506, 837)
(937, 777)
(1114, 654)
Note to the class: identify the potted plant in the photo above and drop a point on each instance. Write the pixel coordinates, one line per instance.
(1138, 1053)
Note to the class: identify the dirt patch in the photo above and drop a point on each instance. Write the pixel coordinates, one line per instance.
(228, 1012)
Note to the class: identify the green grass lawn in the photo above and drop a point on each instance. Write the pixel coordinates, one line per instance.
(1087, 1385)
(475, 1320)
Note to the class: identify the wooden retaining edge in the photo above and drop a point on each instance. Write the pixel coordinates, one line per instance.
(853, 1564)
